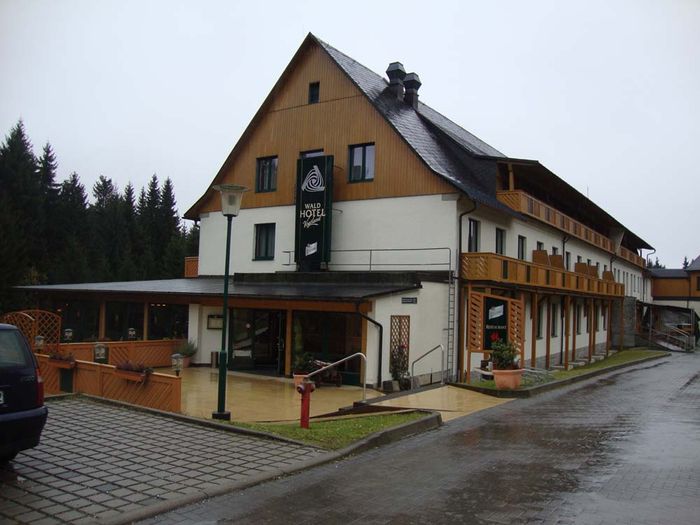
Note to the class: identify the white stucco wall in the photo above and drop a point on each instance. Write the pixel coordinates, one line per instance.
(428, 321)
(396, 223)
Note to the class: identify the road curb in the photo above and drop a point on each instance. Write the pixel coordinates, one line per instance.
(553, 385)
(431, 421)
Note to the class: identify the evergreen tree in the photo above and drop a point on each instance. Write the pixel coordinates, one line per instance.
(51, 235)
(71, 262)
(685, 262)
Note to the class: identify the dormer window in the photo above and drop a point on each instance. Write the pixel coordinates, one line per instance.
(314, 90)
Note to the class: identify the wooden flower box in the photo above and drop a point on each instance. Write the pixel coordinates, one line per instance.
(61, 363)
(130, 375)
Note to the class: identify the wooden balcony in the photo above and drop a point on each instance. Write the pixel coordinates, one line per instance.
(191, 266)
(500, 269)
(528, 205)
(632, 257)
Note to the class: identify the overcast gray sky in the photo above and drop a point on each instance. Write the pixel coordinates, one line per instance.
(604, 93)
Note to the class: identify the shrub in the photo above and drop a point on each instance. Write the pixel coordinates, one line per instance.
(504, 355)
(130, 366)
(186, 349)
(398, 363)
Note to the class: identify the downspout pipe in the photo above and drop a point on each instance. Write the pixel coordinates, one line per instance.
(379, 346)
(644, 290)
(460, 363)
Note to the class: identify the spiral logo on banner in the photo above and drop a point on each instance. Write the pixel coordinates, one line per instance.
(313, 180)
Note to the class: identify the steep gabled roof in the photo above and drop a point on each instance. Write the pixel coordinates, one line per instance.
(442, 145)
(694, 266)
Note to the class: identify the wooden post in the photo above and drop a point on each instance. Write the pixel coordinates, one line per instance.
(288, 343)
(622, 323)
(608, 313)
(522, 330)
(102, 322)
(567, 306)
(145, 321)
(591, 329)
(461, 343)
(511, 178)
(549, 332)
(575, 331)
(534, 312)
(594, 320)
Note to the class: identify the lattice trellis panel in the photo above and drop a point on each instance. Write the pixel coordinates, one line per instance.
(475, 316)
(400, 333)
(37, 322)
(516, 327)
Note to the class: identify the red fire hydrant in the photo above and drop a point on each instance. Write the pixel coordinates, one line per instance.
(305, 390)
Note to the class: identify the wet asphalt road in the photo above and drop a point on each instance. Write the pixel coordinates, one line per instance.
(623, 448)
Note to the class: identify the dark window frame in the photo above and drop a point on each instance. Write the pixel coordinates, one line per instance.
(554, 313)
(314, 92)
(366, 176)
(522, 247)
(266, 182)
(500, 241)
(264, 236)
(473, 236)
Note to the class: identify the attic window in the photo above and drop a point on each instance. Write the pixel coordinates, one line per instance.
(314, 89)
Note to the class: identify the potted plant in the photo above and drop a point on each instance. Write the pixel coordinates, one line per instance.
(135, 372)
(398, 366)
(186, 349)
(506, 372)
(303, 365)
(59, 360)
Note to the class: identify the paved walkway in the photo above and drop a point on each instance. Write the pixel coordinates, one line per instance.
(621, 448)
(252, 397)
(100, 461)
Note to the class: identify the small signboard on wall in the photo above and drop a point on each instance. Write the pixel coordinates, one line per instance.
(215, 322)
(495, 321)
(409, 300)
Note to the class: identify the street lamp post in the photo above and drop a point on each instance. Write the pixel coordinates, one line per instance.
(231, 197)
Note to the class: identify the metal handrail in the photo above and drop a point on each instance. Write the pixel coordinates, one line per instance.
(681, 341)
(442, 362)
(357, 354)
(370, 251)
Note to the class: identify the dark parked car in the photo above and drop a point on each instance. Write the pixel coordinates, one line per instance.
(22, 410)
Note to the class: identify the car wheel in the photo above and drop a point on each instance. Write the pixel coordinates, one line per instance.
(7, 458)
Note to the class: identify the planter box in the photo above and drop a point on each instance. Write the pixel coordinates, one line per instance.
(130, 375)
(60, 363)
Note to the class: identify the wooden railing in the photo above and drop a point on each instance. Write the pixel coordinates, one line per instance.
(528, 205)
(159, 391)
(191, 266)
(149, 353)
(501, 269)
(632, 257)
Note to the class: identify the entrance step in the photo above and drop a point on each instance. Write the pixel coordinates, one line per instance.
(597, 357)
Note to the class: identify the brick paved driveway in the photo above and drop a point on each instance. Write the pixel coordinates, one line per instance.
(622, 448)
(98, 461)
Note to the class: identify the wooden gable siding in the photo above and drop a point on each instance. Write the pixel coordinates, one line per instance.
(343, 117)
(661, 287)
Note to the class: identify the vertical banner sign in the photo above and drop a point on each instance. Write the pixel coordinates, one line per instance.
(495, 321)
(313, 213)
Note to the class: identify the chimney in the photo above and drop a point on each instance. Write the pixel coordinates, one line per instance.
(396, 72)
(412, 83)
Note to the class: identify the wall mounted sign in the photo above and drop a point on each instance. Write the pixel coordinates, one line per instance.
(409, 300)
(313, 213)
(215, 322)
(495, 321)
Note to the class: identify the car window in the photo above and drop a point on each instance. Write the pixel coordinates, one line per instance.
(12, 351)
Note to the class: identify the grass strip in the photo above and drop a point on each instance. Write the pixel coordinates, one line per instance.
(334, 434)
(624, 356)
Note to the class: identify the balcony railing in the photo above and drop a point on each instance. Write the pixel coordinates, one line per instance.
(191, 266)
(631, 257)
(501, 269)
(528, 205)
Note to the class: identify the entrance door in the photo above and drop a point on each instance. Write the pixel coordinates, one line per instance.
(254, 336)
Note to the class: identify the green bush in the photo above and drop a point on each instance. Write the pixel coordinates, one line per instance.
(186, 349)
(504, 354)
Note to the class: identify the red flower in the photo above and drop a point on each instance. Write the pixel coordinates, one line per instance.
(495, 337)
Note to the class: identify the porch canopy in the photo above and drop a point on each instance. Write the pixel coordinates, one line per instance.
(348, 287)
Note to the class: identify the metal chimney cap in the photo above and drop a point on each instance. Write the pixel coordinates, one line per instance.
(395, 72)
(412, 81)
